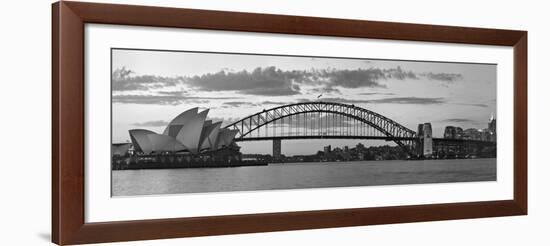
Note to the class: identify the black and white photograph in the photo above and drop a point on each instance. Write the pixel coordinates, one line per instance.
(275, 123)
(195, 122)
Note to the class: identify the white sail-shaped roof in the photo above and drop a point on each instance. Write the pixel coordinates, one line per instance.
(163, 143)
(206, 128)
(190, 133)
(225, 137)
(221, 138)
(175, 126)
(232, 134)
(140, 140)
(211, 136)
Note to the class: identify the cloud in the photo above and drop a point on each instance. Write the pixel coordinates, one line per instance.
(459, 120)
(328, 90)
(389, 100)
(238, 104)
(163, 99)
(410, 100)
(445, 77)
(172, 93)
(225, 121)
(273, 103)
(147, 99)
(371, 77)
(354, 78)
(122, 81)
(481, 105)
(360, 78)
(268, 81)
(272, 81)
(155, 123)
(122, 73)
(398, 73)
(376, 93)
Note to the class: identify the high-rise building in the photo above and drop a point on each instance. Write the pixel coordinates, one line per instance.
(360, 147)
(327, 149)
(471, 134)
(492, 126)
(450, 132)
(453, 132)
(459, 133)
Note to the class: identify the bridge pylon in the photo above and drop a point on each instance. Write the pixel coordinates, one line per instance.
(424, 145)
(276, 148)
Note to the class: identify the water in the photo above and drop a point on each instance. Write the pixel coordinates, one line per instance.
(300, 175)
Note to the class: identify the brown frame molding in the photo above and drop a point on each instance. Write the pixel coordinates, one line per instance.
(68, 19)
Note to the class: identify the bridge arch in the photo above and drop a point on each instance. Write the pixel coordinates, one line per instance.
(390, 129)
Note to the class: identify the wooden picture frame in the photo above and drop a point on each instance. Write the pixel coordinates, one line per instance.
(68, 122)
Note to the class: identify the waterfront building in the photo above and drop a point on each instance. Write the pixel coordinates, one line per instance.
(120, 149)
(472, 134)
(453, 132)
(188, 132)
(360, 147)
(450, 132)
(459, 133)
(327, 150)
(486, 135)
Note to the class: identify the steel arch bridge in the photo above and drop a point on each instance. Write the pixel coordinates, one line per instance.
(318, 120)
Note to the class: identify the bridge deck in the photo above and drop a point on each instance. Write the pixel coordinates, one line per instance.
(323, 137)
(356, 137)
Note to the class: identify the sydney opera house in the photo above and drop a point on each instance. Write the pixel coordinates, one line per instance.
(188, 135)
(188, 132)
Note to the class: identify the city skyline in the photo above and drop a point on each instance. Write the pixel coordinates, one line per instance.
(151, 87)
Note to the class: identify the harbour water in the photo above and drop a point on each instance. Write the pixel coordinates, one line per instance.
(300, 176)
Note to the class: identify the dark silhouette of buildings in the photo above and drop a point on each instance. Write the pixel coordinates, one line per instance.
(486, 134)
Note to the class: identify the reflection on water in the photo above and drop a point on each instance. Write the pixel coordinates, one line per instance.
(301, 175)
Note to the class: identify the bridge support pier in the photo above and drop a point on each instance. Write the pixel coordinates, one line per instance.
(276, 148)
(424, 144)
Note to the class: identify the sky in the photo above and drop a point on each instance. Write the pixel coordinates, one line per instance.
(149, 88)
